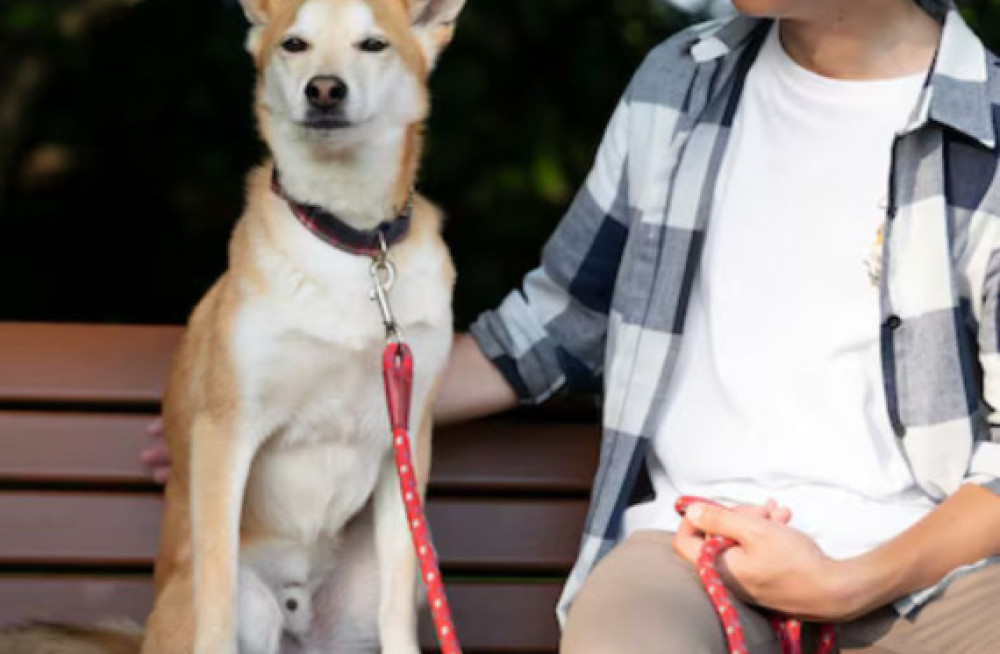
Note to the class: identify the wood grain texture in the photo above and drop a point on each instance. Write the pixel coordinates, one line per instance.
(38, 447)
(516, 456)
(84, 363)
(490, 616)
(82, 529)
(503, 456)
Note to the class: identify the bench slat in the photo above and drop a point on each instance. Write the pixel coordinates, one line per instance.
(72, 447)
(84, 363)
(516, 456)
(489, 616)
(40, 529)
(498, 456)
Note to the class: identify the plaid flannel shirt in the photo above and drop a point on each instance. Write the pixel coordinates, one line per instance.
(609, 299)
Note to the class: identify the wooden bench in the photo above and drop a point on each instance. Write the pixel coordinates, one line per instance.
(79, 519)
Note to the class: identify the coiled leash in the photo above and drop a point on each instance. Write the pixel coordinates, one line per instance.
(788, 630)
(397, 372)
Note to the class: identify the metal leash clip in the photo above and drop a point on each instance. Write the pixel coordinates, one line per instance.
(383, 273)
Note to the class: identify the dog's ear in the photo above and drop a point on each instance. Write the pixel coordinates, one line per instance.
(256, 11)
(434, 23)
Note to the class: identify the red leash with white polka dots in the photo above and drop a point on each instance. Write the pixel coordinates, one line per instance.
(397, 364)
(789, 630)
(397, 373)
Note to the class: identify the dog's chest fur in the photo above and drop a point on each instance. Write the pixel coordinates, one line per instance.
(308, 353)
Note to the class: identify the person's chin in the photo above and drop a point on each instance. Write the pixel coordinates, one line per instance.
(759, 8)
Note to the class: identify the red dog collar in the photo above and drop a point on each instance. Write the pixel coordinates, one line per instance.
(334, 231)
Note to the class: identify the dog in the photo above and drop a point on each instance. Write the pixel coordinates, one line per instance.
(284, 527)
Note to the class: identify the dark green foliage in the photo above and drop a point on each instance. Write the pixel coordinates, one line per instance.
(148, 114)
(153, 110)
(984, 16)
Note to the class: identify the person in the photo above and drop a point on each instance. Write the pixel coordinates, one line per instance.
(784, 268)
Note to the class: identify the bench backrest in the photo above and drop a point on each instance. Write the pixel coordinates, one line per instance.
(79, 519)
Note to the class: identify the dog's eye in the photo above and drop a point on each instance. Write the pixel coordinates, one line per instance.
(373, 44)
(294, 44)
(291, 604)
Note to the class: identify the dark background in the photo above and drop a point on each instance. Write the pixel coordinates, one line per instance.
(126, 132)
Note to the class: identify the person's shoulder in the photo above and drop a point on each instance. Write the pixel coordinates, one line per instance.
(676, 50)
(668, 65)
(679, 44)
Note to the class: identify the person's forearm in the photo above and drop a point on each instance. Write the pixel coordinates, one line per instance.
(471, 386)
(963, 529)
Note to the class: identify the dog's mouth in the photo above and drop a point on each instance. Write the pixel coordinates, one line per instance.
(326, 123)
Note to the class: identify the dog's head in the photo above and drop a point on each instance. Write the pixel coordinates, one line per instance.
(339, 71)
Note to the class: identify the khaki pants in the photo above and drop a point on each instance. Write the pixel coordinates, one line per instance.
(644, 599)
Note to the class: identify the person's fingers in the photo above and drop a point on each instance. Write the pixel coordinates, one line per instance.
(712, 519)
(752, 509)
(777, 512)
(155, 427)
(155, 455)
(688, 542)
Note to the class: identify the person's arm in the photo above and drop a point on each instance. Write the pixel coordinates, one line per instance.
(783, 569)
(471, 386)
(963, 529)
(552, 332)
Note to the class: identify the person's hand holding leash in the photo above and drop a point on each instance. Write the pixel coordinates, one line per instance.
(772, 564)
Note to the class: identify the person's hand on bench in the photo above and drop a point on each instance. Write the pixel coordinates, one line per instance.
(156, 457)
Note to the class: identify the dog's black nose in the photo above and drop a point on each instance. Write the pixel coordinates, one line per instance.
(326, 92)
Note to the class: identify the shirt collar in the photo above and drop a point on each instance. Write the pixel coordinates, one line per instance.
(958, 89)
(957, 93)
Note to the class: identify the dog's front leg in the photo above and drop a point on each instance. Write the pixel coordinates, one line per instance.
(397, 565)
(220, 463)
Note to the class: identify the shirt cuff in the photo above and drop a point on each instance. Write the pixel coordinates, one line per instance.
(520, 349)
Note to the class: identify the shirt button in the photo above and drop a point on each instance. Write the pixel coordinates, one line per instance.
(894, 322)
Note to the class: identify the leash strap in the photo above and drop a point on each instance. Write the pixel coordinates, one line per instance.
(788, 630)
(397, 373)
(397, 365)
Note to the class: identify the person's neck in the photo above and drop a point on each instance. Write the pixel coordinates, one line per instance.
(862, 39)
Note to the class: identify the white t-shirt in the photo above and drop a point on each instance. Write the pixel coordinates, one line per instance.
(778, 389)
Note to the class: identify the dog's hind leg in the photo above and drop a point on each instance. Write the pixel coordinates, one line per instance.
(220, 464)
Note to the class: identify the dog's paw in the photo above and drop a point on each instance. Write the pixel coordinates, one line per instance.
(401, 645)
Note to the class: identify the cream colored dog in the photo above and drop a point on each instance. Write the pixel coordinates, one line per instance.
(284, 526)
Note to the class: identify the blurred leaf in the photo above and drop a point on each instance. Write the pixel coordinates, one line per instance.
(25, 17)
